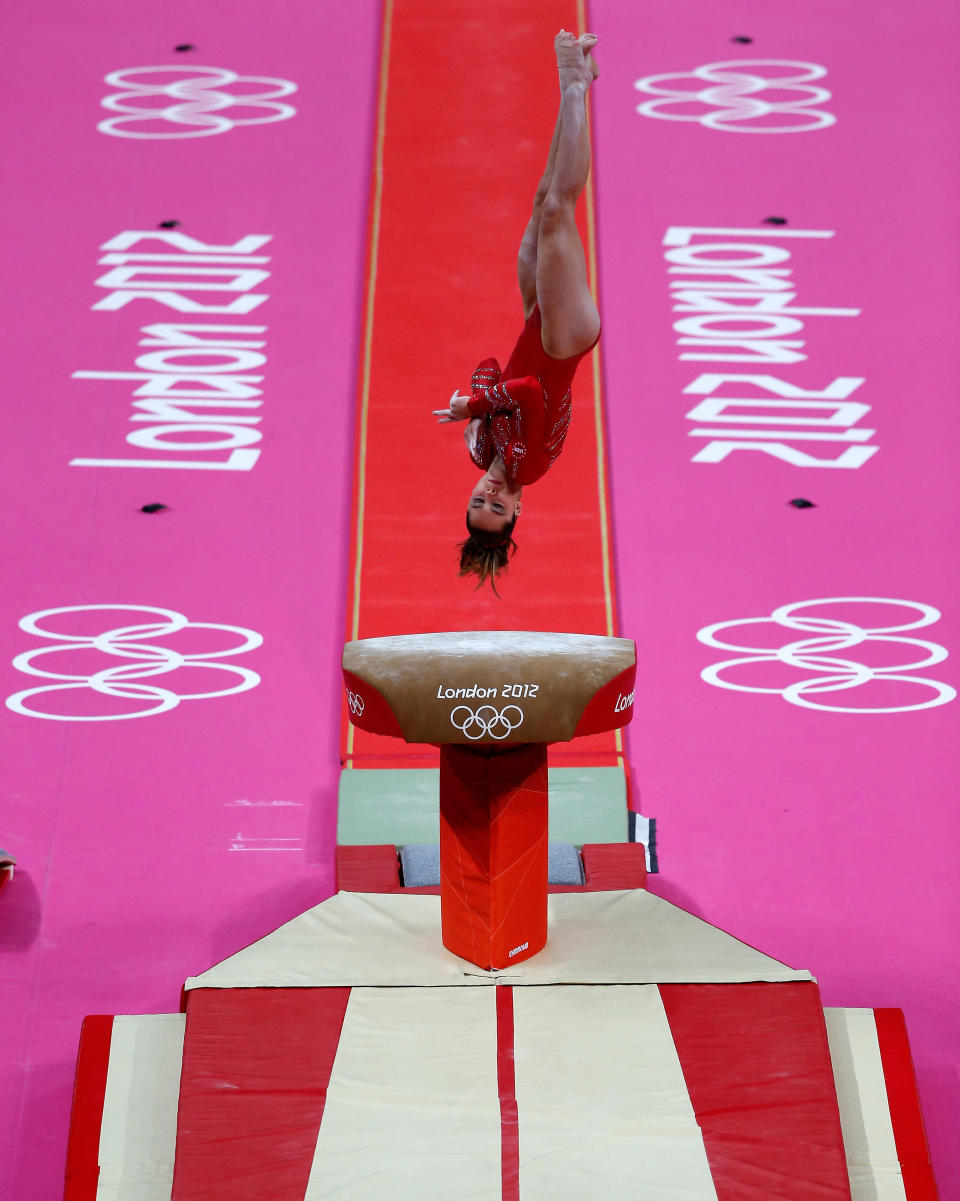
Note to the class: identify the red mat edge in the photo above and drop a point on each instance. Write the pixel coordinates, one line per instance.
(903, 1100)
(507, 1089)
(607, 867)
(237, 1012)
(86, 1114)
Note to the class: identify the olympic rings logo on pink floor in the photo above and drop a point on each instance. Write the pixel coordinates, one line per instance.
(143, 659)
(197, 101)
(734, 101)
(816, 655)
(487, 722)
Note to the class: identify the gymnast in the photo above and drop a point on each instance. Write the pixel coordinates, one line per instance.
(517, 419)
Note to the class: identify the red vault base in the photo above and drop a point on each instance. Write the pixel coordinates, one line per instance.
(493, 852)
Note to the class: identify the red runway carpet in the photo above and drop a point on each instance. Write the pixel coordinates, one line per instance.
(453, 185)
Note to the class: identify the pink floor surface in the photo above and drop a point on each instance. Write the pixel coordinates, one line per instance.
(150, 848)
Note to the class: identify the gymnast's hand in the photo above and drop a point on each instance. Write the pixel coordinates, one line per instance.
(471, 431)
(456, 412)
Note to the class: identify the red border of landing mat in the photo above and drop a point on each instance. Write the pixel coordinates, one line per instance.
(903, 1100)
(86, 1115)
(906, 1117)
(507, 1088)
(757, 1066)
(225, 1048)
(391, 338)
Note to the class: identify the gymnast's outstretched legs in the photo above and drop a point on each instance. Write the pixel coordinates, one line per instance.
(551, 266)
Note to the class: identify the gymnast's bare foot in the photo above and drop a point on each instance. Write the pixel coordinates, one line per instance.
(573, 60)
(587, 42)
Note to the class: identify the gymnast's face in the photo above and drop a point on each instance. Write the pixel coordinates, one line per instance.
(494, 501)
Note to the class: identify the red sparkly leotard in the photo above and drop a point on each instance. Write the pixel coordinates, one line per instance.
(525, 409)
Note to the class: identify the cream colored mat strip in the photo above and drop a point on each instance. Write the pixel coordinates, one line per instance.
(603, 1106)
(138, 1131)
(864, 1113)
(412, 1110)
(628, 936)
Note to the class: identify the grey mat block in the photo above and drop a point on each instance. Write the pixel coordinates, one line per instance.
(421, 865)
(587, 804)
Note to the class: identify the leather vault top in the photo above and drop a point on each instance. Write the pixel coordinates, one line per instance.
(490, 687)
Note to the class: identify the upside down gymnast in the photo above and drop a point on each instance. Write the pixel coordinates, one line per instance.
(517, 419)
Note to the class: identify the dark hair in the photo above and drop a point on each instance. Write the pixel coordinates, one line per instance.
(486, 552)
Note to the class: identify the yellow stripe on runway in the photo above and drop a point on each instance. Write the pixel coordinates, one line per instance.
(376, 206)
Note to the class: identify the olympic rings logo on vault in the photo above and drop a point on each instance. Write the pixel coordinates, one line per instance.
(355, 702)
(196, 102)
(487, 722)
(741, 96)
(141, 658)
(827, 672)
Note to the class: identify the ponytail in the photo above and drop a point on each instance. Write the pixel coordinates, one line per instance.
(485, 553)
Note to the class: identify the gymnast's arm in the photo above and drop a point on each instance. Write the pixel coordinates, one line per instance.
(524, 396)
(471, 434)
(479, 443)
